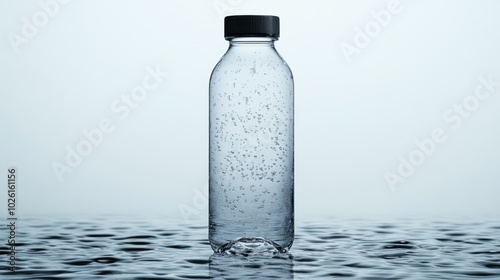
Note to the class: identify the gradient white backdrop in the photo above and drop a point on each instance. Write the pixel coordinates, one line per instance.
(352, 122)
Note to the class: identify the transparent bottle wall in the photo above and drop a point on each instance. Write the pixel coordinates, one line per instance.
(251, 148)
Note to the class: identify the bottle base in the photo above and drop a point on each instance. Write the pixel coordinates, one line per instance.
(252, 246)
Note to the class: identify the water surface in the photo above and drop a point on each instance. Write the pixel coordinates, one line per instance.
(118, 248)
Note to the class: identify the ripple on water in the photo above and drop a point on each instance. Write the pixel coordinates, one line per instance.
(178, 246)
(334, 236)
(106, 260)
(399, 245)
(108, 272)
(102, 235)
(135, 237)
(490, 252)
(338, 274)
(135, 243)
(79, 262)
(197, 261)
(492, 265)
(136, 249)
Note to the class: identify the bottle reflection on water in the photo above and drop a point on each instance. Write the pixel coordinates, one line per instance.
(253, 267)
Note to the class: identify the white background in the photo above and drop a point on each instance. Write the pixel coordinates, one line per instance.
(353, 120)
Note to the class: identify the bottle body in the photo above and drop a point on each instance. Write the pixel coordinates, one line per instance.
(251, 149)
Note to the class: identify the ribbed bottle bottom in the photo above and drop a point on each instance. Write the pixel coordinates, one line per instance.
(251, 246)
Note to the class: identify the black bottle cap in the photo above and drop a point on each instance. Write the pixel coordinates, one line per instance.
(251, 26)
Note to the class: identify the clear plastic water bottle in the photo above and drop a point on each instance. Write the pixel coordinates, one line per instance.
(251, 165)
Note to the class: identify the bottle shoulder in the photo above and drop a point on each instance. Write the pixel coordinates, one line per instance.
(252, 61)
